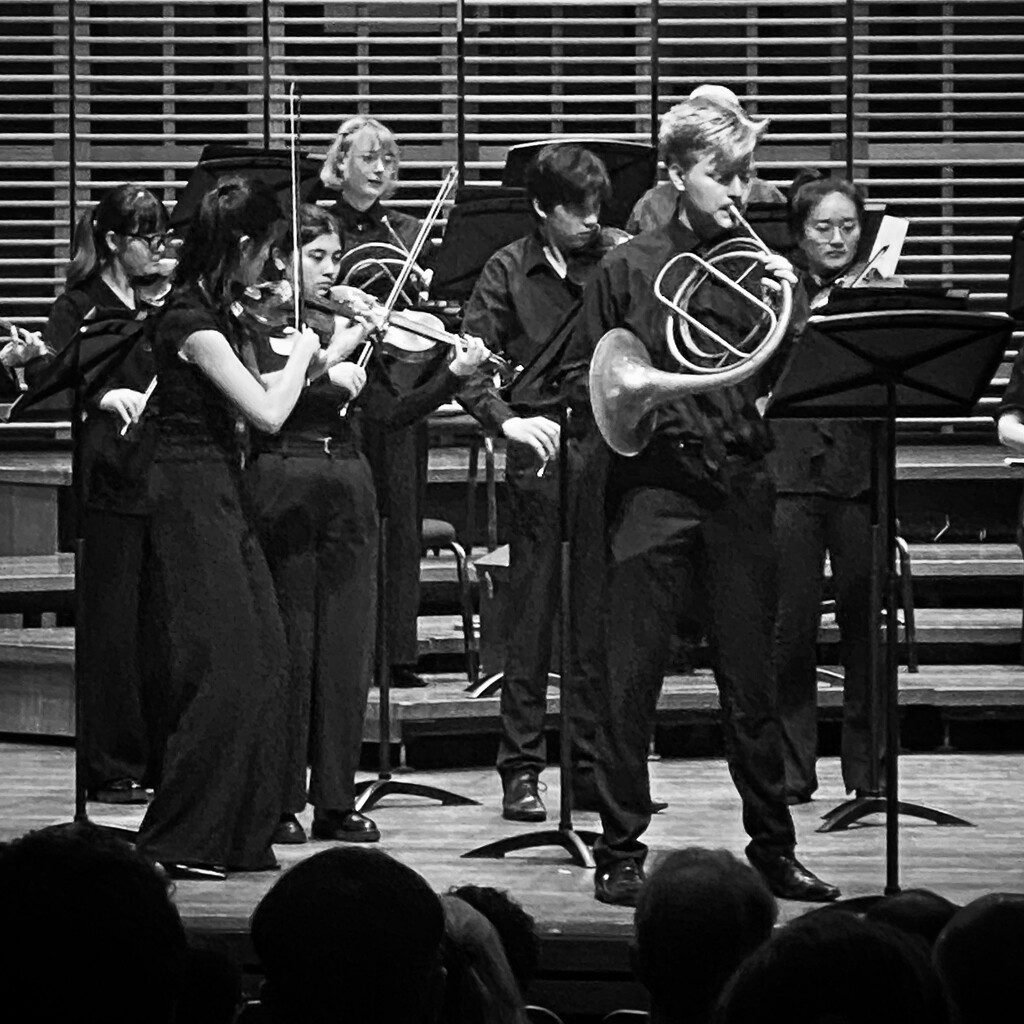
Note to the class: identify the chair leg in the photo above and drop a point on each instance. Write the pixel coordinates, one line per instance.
(907, 600)
(466, 603)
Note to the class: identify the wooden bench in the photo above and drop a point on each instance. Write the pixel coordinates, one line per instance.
(33, 584)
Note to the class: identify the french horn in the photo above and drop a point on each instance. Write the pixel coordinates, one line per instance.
(626, 389)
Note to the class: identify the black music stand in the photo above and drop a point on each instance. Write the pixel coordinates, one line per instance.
(272, 166)
(368, 794)
(481, 222)
(565, 837)
(877, 365)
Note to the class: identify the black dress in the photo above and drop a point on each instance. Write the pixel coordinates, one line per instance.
(218, 641)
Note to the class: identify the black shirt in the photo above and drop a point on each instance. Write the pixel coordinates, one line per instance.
(519, 307)
(694, 435)
(372, 224)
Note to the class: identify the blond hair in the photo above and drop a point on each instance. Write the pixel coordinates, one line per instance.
(691, 130)
(332, 174)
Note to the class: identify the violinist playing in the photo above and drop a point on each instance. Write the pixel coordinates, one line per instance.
(119, 244)
(317, 520)
(822, 471)
(524, 306)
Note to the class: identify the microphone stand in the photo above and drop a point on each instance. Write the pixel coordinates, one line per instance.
(565, 837)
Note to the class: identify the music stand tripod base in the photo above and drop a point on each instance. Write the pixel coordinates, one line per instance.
(368, 794)
(575, 843)
(850, 812)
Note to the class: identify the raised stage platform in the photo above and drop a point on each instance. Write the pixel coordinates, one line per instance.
(584, 961)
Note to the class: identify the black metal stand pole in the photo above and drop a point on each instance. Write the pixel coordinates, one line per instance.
(576, 844)
(852, 811)
(368, 794)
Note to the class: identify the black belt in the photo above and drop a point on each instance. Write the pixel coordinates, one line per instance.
(308, 446)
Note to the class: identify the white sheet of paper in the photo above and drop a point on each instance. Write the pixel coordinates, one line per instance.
(892, 233)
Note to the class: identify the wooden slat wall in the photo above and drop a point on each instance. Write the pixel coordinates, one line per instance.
(934, 128)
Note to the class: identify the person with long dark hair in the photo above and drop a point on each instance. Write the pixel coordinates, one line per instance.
(119, 243)
(218, 640)
(317, 516)
(822, 472)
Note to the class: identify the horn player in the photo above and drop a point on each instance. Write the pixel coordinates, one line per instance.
(690, 515)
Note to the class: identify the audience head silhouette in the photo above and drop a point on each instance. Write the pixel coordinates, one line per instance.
(918, 912)
(832, 966)
(479, 984)
(697, 916)
(351, 932)
(515, 928)
(91, 931)
(979, 956)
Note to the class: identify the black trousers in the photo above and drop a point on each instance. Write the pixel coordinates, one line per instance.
(806, 526)
(668, 549)
(218, 650)
(114, 728)
(318, 525)
(535, 600)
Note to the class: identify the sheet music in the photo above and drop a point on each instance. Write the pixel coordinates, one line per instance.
(885, 253)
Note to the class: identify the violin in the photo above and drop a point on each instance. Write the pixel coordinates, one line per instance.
(402, 334)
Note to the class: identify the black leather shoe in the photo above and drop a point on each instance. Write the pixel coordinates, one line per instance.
(793, 799)
(789, 879)
(521, 801)
(344, 827)
(404, 678)
(288, 832)
(185, 872)
(619, 882)
(120, 791)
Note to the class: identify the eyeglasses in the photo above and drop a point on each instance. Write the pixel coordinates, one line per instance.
(158, 240)
(823, 231)
(371, 159)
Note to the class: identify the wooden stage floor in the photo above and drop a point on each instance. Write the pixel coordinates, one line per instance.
(579, 934)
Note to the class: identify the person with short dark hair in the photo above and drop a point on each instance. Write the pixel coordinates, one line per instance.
(834, 966)
(514, 925)
(979, 955)
(351, 932)
(90, 932)
(691, 519)
(698, 916)
(524, 305)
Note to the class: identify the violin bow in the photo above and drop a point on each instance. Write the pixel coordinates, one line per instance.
(293, 118)
(413, 253)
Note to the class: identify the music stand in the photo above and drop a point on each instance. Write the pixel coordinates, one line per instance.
(482, 221)
(272, 166)
(877, 365)
(565, 837)
(369, 793)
